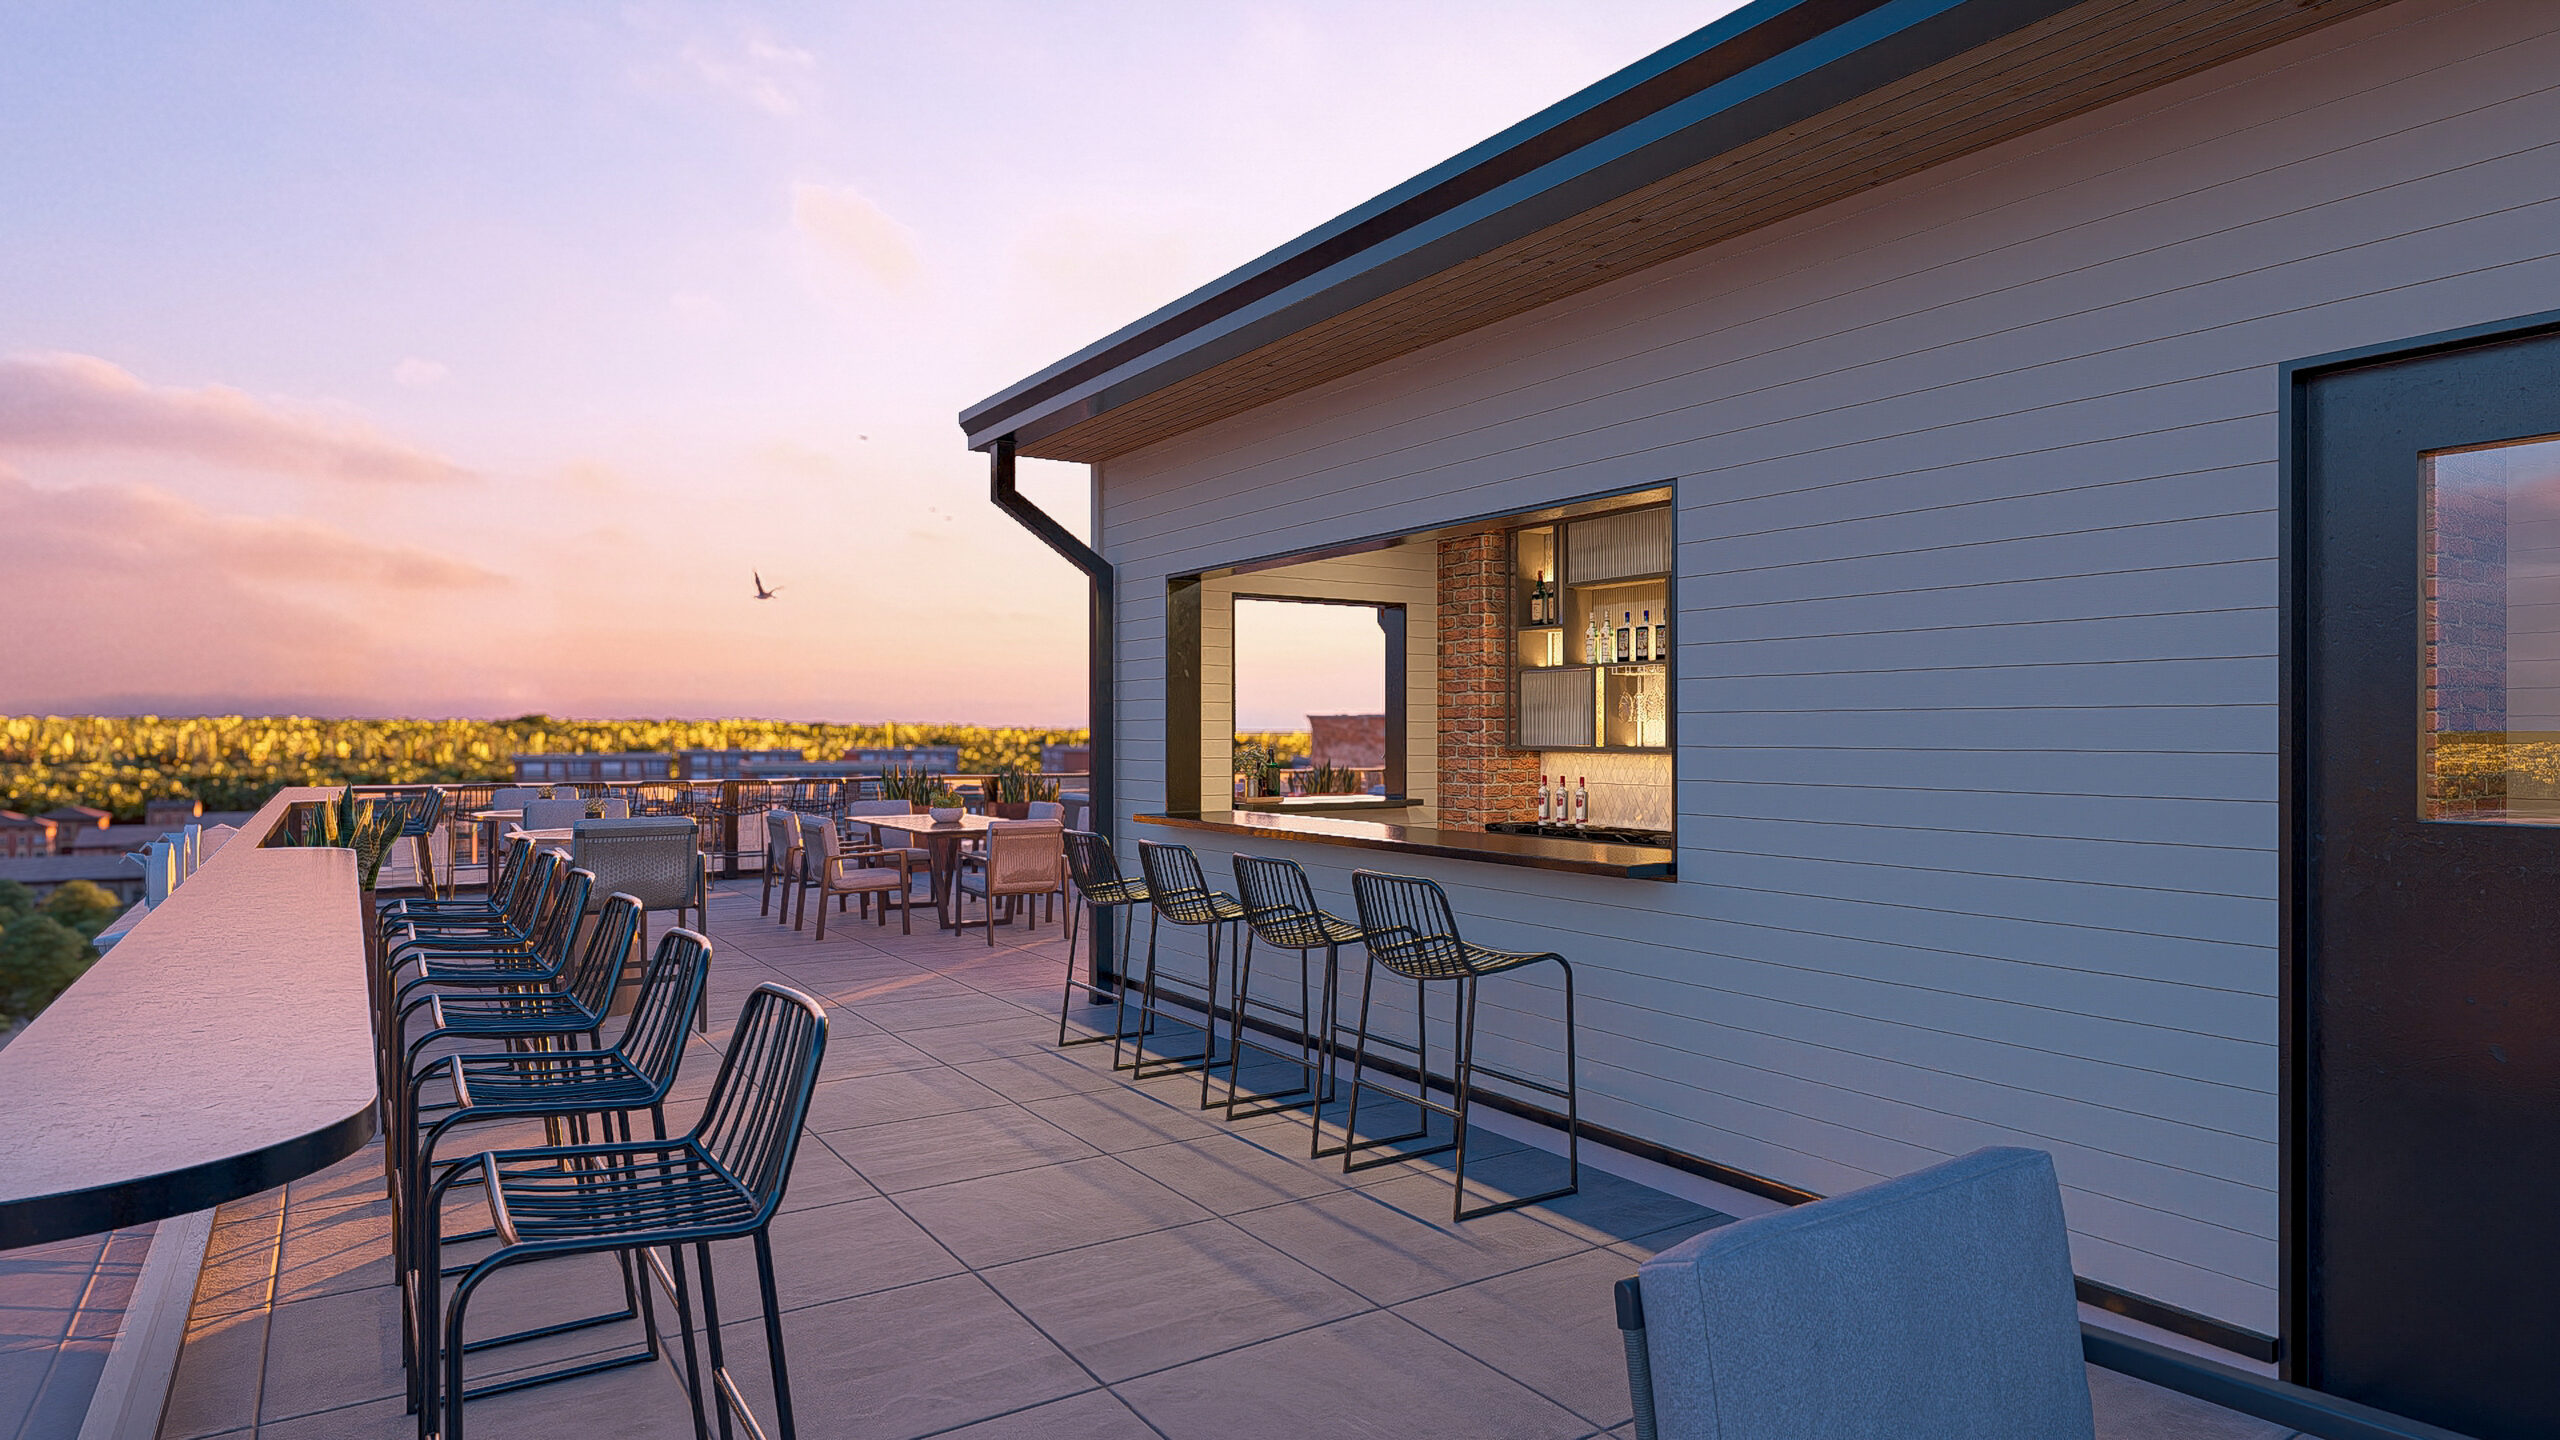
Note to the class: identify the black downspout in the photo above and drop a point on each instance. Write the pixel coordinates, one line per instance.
(1099, 949)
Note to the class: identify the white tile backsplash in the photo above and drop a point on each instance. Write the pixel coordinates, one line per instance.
(1626, 789)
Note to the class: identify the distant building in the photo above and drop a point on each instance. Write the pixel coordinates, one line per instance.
(25, 835)
(871, 761)
(125, 839)
(69, 818)
(725, 764)
(108, 871)
(1354, 742)
(625, 765)
(171, 813)
(1066, 759)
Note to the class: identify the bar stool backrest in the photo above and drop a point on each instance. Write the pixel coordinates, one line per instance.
(1411, 928)
(1092, 866)
(669, 989)
(610, 941)
(1181, 893)
(751, 1123)
(656, 860)
(1278, 902)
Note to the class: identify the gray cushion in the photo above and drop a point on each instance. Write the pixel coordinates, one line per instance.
(1936, 1304)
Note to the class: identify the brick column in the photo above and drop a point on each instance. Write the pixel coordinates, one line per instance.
(1481, 777)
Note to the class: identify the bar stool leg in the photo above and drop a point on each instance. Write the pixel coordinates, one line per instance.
(773, 1338)
(1209, 1022)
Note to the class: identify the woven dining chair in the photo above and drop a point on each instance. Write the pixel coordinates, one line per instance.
(782, 859)
(722, 1180)
(1020, 863)
(840, 869)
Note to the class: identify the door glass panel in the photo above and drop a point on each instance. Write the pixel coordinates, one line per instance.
(2490, 738)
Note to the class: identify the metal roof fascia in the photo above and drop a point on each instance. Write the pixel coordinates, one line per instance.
(1855, 57)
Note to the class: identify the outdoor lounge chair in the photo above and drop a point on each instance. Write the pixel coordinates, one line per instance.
(1940, 1303)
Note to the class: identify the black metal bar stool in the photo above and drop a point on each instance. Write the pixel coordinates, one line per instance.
(1099, 886)
(1280, 911)
(722, 1180)
(1178, 892)
(635, 1073)
(1412, 932)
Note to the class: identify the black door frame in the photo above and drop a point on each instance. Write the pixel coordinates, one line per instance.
(2294, 628)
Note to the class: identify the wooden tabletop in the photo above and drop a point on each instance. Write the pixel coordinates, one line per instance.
(223, 1047)
(921, 824)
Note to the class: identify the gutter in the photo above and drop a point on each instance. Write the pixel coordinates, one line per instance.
(1098, 663)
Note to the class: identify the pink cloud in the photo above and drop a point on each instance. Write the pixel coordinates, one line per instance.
(128, 590)
(80, 402)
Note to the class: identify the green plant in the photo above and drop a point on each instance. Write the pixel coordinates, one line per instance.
(1327, 778)
(347, 823)
(1258, 766)
(83, 907)
(913, 786)
(39, 958)
(938, 796)
(1017, 787)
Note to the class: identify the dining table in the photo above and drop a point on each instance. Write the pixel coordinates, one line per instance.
(942, 849)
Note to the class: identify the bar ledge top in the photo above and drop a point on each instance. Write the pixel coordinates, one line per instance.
(1537, 852)
(221, 1049)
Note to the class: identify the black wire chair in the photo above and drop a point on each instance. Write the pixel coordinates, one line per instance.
(1413, 933)
(492, 908)
(722, 1180)
(635, 1073)
(566, 1010)
(1280, 911)
(1099, 886)
(1177, 891)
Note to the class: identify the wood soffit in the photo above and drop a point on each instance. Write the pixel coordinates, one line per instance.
(2090, 55)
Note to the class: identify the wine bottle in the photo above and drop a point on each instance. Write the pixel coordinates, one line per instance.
(1581, 801)
(1626, 635)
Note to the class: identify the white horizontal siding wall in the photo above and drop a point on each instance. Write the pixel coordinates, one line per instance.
(1978, 582)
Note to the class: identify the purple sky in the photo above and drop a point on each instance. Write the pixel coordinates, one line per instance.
(465, 358)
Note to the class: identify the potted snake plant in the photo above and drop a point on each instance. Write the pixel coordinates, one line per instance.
(1012, 793)
(347, 823)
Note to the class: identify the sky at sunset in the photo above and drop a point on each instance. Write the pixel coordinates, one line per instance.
(466, 358)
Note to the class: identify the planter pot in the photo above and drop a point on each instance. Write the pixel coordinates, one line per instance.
(946, 815)
(1010, 810)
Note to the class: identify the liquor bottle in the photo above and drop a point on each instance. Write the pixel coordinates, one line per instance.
(1538, 599)
(1626, 635)
(1546, 599)
(1542, 797)
(1581, 801)
(1644, 639)
(1591, 647)
(1662, 638)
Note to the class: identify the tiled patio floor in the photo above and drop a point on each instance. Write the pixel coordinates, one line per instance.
(989, 1237)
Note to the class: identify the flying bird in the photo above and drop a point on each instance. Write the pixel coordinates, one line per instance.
(761, 592)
